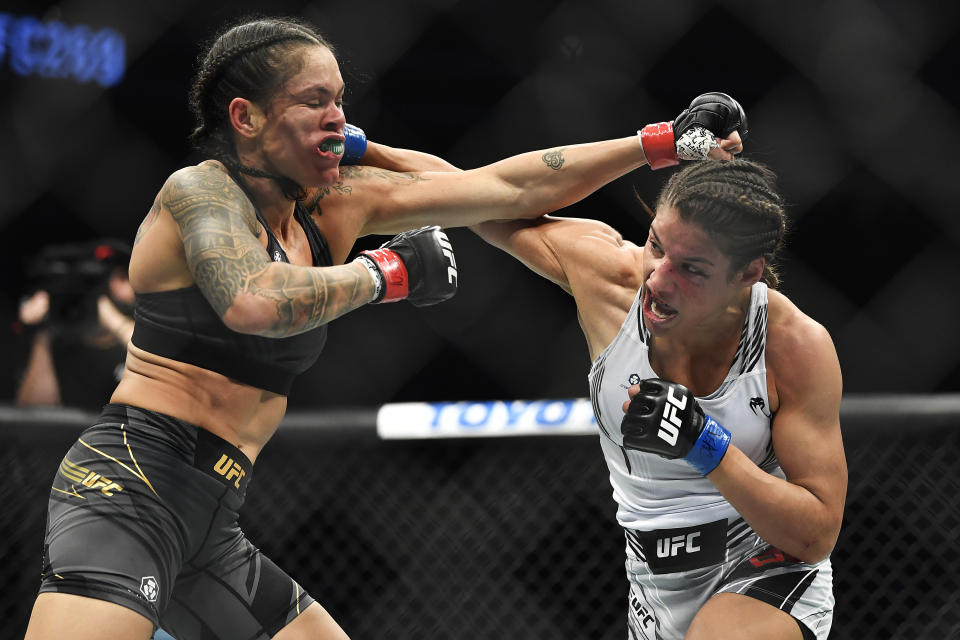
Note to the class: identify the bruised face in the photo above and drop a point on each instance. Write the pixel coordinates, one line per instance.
(687, 281)
(302, 134)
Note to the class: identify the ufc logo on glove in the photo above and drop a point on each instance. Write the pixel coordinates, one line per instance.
(671, 421)
(447, 250)
(417, 266)
(665, 418)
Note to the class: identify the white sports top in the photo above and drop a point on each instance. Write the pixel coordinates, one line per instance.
(655, 493)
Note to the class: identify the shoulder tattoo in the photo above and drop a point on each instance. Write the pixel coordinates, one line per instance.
(219, 229)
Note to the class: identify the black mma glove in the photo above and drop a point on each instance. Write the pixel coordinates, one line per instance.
(665, 418)
(693, 133)
(416, 265)
(716, 112)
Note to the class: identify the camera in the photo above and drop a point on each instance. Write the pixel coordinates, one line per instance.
(75, 275)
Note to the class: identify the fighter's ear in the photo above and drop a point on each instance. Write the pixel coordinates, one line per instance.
(245, 117)
(751, 274)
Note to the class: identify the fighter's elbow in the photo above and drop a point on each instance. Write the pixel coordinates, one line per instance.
(251, 314)
(818, 546)
(813, 553)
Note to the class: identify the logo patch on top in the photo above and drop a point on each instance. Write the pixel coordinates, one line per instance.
(150, 588)
(758, 403)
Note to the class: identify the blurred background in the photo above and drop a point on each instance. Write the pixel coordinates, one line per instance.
(854, 103)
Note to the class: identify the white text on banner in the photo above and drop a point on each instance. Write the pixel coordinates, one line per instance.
(411, 420)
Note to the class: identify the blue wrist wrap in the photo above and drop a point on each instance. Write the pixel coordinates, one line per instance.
(354, 144)
(708, 450)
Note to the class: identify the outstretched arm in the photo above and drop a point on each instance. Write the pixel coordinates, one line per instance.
(530, 184)
(523, 186)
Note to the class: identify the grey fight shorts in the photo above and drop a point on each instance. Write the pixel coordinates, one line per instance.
(673, 572)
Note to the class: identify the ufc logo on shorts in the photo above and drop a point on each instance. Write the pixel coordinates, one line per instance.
(644, 616)
(671, 546)
(685, 548)
(670, 421)
(448, 252)
(229, 469)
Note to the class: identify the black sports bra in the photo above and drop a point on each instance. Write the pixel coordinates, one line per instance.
(181, 325)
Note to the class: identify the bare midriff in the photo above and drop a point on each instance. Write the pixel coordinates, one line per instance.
(244, 416)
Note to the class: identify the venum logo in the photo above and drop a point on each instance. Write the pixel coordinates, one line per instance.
(757, 403)
(671, 420)
(150, 588)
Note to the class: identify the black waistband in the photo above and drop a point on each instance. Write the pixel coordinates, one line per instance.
(206, 451)
(685, 548)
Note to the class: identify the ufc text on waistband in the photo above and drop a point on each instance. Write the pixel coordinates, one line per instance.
(681, 549)
(222, 461)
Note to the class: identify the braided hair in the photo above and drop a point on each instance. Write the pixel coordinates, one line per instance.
(737, 203)
(253, 60)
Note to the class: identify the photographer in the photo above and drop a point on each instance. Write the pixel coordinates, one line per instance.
(81, 317)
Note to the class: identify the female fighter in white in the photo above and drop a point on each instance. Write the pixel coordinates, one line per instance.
(717, 401)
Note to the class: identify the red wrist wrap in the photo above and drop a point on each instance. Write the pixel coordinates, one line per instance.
(658, 145)
(394, 274)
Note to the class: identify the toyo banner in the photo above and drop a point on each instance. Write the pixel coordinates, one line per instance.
(412, 420)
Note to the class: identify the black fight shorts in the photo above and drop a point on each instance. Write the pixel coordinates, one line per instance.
(143, 512)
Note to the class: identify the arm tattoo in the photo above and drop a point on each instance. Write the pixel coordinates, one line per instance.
(217, 224)
(339, 187)
(344, 188)
(553, 159)
(306, 298)
(395, 177)
(220, 228)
